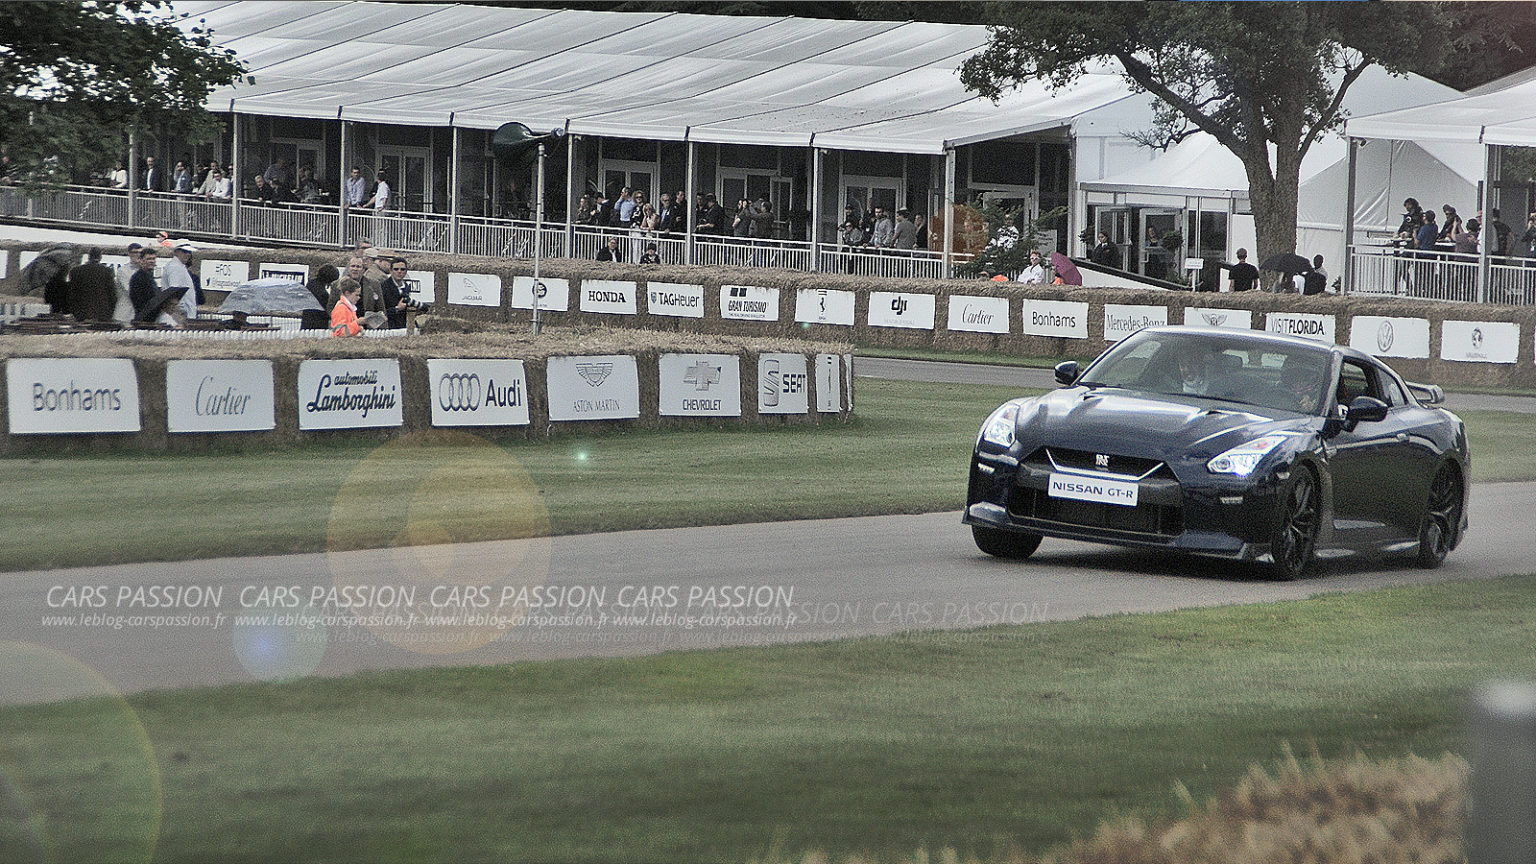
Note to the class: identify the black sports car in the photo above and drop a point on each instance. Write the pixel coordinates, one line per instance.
(1238, 444)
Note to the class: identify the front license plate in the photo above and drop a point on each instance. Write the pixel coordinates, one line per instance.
(1081, 488)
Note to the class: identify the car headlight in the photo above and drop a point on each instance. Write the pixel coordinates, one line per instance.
(1242, 459)
(999, 428)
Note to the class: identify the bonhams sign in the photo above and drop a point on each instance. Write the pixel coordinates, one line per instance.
(478, 392)
(349, 394)
(219, 396)
(48, 395)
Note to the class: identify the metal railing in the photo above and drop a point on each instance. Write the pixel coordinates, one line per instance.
(323, 225)
(1421, 275)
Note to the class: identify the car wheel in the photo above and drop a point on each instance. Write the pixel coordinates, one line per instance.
(1442, 518)
(1004, 544)
(1294, 543)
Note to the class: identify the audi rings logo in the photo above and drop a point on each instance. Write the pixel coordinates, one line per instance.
(459, 392)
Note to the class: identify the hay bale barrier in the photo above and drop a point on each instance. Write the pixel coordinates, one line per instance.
(150, 361)
(1450, 344)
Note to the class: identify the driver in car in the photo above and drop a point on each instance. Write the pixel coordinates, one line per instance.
(1300, 385)
(1195, 373)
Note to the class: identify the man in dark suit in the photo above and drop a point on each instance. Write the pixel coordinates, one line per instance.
(92, 289)
(396, 293)
(154, 175)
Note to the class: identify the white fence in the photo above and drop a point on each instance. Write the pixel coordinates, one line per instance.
(1434, 275)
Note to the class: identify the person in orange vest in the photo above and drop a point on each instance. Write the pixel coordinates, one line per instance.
(344, 315)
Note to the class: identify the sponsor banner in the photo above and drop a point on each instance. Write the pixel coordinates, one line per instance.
(1234, 319)
(677, 299)
(829, 376)
(848, 378)
(902, 309)
(349, 394)
(27, 256)
(608, 297)
(5, 263)
(824, 306)
(423, 285)
(1389, 337)
(1121, 321)
(700, 385)
(292, 272)
(1055, 318)
(978, 314)
(219, 396)
(749, 303)
(117, 262)
(474, 289)
(1479, 341)
(49, 395)
(783, 384)
(599, 387)
(478, 392)
(218, 275)
(556, 296)
(1318, 327)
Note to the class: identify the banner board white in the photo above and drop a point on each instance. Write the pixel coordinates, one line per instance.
(1390, 337)
(52, 395)
(1234, 319)
(478, 392)
(824, 306)
(1066, 318)
(1479, 341)
(5, 263)
(555, 297)
(422, 284)
(219, 275)
(292, 272)
(901, 309)
(474, 289)
(749, 303)
(829, 377)
(1121, 321)
(677, 299)
(608, 297)
(597, 387)
(700, 385)
(1318, 327)
(783, 384)
(219, 396)
(978, 314)
(349, 394)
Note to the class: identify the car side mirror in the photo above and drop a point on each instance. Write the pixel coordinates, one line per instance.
(1429, 394)
(1066, 372)
(1365, 409)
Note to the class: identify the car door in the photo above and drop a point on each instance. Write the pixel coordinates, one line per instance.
(1369, 463)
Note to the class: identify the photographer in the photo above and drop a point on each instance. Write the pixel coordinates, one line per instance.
(397, 294)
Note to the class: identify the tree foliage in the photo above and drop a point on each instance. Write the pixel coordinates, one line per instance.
(1255, 76)
(74, 77)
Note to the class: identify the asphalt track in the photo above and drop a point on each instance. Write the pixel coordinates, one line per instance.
(134, 627)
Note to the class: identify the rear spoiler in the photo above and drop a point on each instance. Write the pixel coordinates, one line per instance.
(1429, 394)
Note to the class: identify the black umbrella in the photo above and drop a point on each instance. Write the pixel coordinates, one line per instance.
(47, 266)
(1288, 263)
(164, 298)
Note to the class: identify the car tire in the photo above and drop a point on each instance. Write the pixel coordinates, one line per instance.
(1442, 518)
(1004, 544)
(1293, 545)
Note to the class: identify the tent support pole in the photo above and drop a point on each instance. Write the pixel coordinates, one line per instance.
(570, 196)
(688, 209)
(235, 167)
(1348, 271)
(949, 212)
(453, 192)
(1485, 202)
(133, 174)
(816, 179)
(344, 172)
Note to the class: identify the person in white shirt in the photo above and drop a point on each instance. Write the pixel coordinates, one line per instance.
(223, 187)
(178, 276)
(380, 200)
(1034, 274)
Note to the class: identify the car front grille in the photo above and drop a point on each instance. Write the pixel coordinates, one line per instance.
(1158, 520)
(1109, 463)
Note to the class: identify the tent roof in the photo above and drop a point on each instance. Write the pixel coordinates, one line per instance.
(882, 86)
(1505, 114)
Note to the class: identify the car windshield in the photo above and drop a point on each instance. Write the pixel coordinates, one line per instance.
(1269, 375)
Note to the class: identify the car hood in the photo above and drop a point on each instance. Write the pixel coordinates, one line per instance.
(1135, 423)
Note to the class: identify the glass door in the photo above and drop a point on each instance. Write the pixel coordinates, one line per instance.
(864, 194)
(1156, 259)
(405, 168)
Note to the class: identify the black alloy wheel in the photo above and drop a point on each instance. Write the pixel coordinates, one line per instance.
(1442, 518)
(1004, 544)
(1294, 543)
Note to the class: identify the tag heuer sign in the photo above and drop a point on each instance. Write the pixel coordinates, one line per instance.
(700, 385)
(596, 387)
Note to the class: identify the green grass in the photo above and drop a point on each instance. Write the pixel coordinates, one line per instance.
(179, 506)
(1030, 734)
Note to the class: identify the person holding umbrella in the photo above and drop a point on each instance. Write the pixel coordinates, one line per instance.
(1288, 265)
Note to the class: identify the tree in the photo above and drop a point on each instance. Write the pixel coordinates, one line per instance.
(75, 77)
(1255, 76)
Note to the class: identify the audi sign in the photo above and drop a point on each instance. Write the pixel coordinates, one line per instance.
(478, 392)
